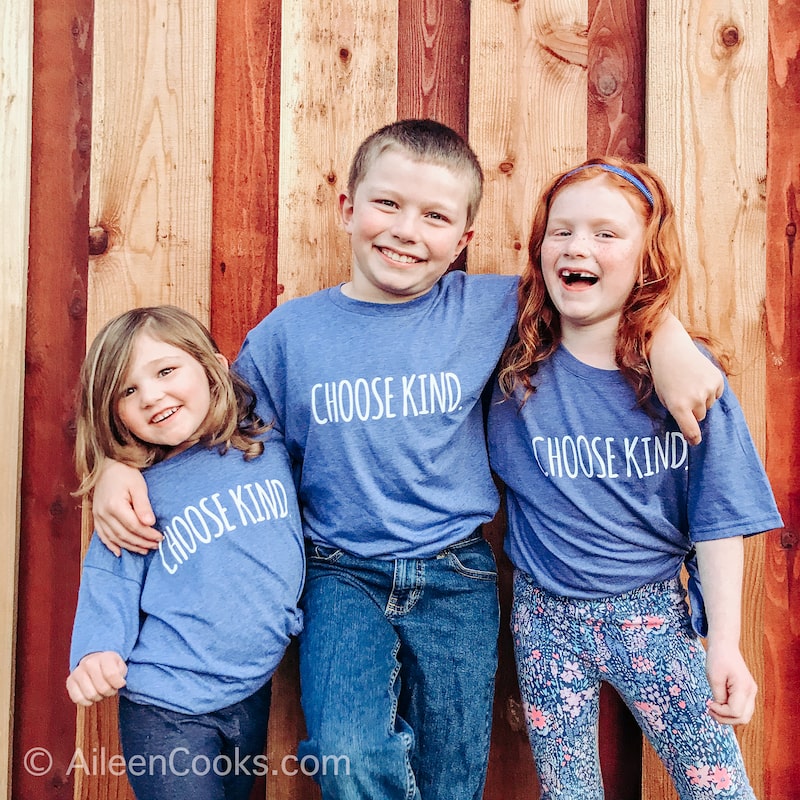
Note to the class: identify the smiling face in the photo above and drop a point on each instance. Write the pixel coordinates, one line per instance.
(590, 254)
(407, 223)
(165, 395)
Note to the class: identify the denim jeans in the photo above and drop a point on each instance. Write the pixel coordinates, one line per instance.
(397, 665)
(174, 756)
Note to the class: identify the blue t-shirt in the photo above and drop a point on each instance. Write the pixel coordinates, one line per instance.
(603, 499)
(203, 621)
(380, 406)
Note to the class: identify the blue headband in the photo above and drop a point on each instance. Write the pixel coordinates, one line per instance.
(623, 173)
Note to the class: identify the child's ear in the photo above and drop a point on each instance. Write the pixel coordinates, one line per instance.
(222, 360)
(345, 210)
(463, 242)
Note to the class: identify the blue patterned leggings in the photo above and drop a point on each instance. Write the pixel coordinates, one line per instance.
(642, 643)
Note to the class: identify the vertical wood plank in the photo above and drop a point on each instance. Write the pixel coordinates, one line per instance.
(617, 42)
(16, 68)
(150, 206)
(707, 138)
(49, 552)
(433, 61)
(152, 155)
(244, 241)
(527, 115)
(338, 84)
(781, 636)
(525, 58)
(616, 126)
(244, 238)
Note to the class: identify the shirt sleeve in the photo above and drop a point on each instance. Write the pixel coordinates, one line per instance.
(729, 493)
(250, 365)
(108, 613)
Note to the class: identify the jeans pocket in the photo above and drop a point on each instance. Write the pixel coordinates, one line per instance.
(474, 561)
(322, 554)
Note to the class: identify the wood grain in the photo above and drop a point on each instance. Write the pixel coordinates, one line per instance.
(433, 61)
(527, 115)
(616, 126)
(338, 84)
(152, 154)
(16, 69)
(781, 635)
(244, 241)
(706, 124)
(617, 43)
(49, 548)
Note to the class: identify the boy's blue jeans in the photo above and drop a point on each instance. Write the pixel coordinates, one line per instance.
(214, 756)
(397, 665)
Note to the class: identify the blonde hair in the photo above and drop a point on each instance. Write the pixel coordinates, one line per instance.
(101, 434)
(538, 332)
(423, 140)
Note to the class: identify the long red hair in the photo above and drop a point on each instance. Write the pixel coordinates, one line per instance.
(538, 331)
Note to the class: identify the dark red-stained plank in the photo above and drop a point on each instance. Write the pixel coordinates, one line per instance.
(616, 126)
(782, 561)
(244, 268)
(617, 73)
(433, 61)
(244, 241)
(50, 541)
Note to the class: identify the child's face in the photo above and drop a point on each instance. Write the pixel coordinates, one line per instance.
(165, 395)
(590, 253)
(407, 224)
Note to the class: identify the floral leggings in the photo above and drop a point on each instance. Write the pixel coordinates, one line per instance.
(642, 643)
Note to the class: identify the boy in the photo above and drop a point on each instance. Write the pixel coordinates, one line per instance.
(376, 385)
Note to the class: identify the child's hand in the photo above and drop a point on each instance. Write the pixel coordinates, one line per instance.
(732, 686)
(121, 510)
(686, 382)
(97, 676)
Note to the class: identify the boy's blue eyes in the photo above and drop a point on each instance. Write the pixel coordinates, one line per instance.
(393, 204)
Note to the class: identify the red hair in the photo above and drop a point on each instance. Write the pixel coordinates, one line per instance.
(538, 332)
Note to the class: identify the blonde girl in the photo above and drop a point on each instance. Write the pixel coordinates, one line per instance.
(606, 501)
(189, 634)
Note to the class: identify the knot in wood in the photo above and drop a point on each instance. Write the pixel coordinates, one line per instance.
(98, 240)
(791, 230)
(788, 540)
(77, 307)
(606, 85)
(345, 55)
(331, 178)
(730, 36)
(507, 167)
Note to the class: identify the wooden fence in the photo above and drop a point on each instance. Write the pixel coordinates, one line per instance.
(191, 152)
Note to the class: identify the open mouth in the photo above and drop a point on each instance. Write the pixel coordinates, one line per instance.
(573, 276)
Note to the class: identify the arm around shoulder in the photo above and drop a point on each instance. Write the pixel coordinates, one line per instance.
(686, 382)
(121, 510)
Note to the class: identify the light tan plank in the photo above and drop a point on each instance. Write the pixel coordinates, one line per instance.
(527, 115)
(527, 120)
(706, 121)
(152, 152)
(16, 47)
(338, 84)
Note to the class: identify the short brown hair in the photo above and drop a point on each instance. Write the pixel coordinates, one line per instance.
(422, 140)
